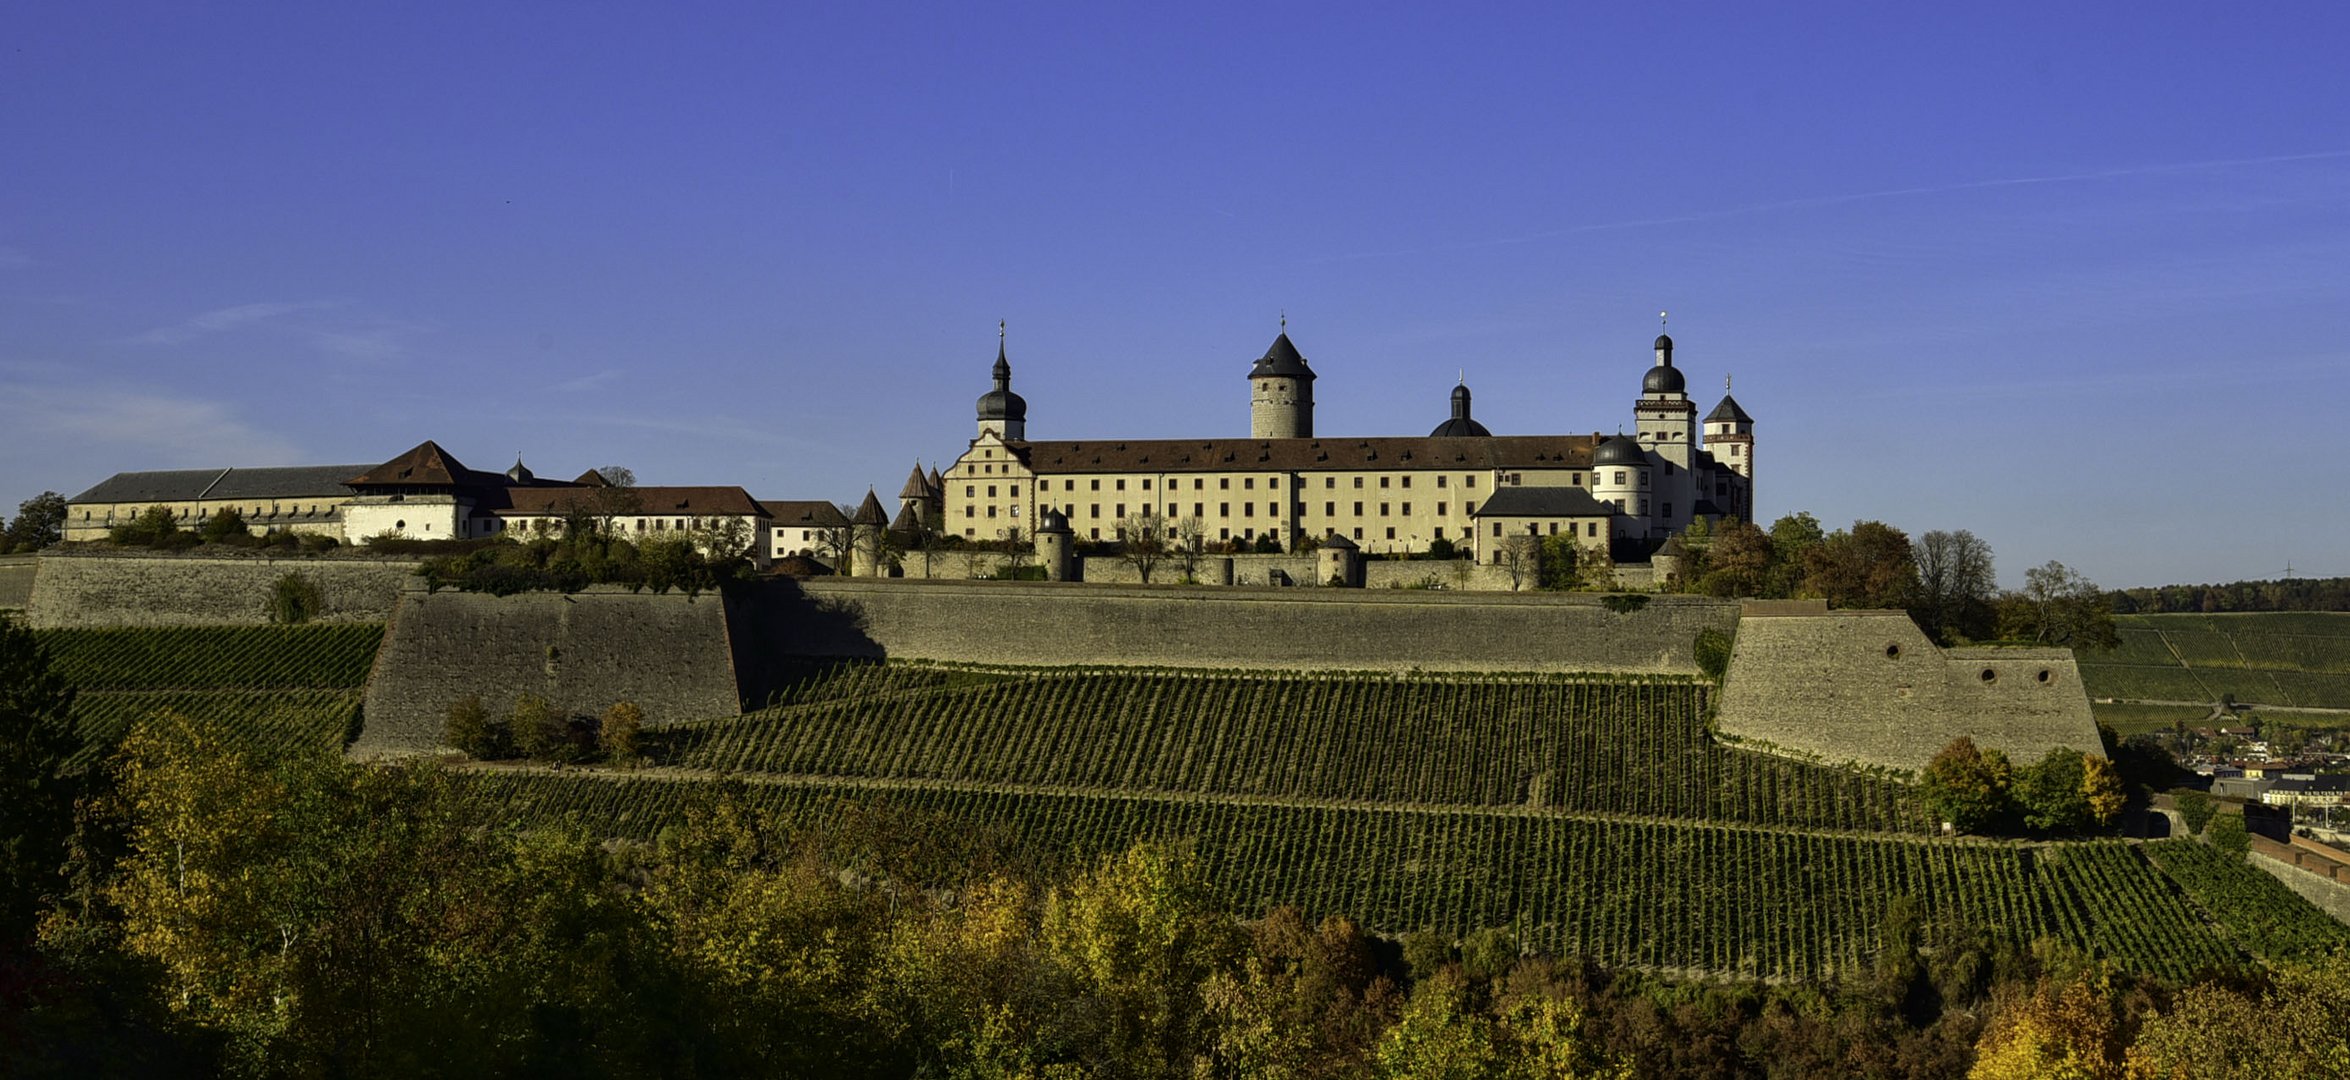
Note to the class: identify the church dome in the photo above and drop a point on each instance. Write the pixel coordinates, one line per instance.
(1663, 379)
(1001, 403)
(1460, 426)
(1619, 451)
(1664, 344)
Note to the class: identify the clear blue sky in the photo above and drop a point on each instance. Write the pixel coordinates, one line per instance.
(2073, 276)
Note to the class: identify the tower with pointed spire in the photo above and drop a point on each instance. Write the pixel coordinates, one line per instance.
(1729, 437)
(1000, 410)
(1281, 392)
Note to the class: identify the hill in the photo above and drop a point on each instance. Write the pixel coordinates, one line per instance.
(2176, 666)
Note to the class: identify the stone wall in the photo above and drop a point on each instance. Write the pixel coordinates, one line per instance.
(1870, 687)
(668, 653)
(16, 583)
(118, 588)
(1384, 629)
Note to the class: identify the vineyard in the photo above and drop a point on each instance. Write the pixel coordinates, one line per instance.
(2272, 658)
(270, 690)
(1734, 899)
(1620, 746)
(2256, 909)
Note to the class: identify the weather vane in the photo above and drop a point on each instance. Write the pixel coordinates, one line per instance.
(1725, 383)
(1284, 320)
(1661, 318)
(999, 329)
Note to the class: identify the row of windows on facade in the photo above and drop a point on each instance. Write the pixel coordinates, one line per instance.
(1226, 533)
(1621, 476)
(1224, 509)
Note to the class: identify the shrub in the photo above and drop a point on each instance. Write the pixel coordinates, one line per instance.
(1624, 603)
(2196, 808)
(148, 529)
(318, 542)
(225, 526)
(2054, 793)
(537, 731)
(2228, 834)
(1713, 653)
(617, 734)
(1969, 787)
(471, 730)
(295, 600)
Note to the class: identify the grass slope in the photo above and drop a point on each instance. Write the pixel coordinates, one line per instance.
(268, 689)
(2289, 659)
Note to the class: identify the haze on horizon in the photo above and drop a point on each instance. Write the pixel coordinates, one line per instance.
(2072, 277)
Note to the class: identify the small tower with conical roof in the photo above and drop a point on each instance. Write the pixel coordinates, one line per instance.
(1000, 410)
(1281, 392)
(865, 531)
(922, 501)
(1729, 436)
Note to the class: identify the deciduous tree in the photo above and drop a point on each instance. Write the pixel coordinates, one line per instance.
(1955, 587)
(39, 523)
(1868, 566)
(2058, 606)
(1969, 787)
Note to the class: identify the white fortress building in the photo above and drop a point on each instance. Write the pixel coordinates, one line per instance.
(1385, 494)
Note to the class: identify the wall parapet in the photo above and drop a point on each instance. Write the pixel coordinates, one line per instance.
(132, 588)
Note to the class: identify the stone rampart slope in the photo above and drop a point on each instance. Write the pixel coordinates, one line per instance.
(75, 589)
(1870, 687)
(668, 653)
(16, 583)
(1049, 624)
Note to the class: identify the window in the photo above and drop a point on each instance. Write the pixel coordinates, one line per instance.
(1121, 485)
(1093, 510)
(1383, 481)
(1197, 483)
(1383, 509)
(1440, 479)
(1644, 508)
(1517, 478)
(1440, 511)
(1619, 476)
(1329, 481)
(968, 511)
(1358, 533)
(1015, 491)
(1096, 485)
(991, 491)
(1668, 468)
(1591, 528)
(1440, 532)
(1578, 479)
(1093, 534)
(1391, 532)
(1248, 509)
(1469, 508)
(1358, 481)
(1224, 482)
(970, 532)
(1146, 485)
(1554, 528)
(1644, 478)
(1497, 528)
(1668, 511)
(991, 511)
(1329, 509)
(1272, 481)
(1224, 509)
(1407, 509)
(1734, 449)
(1121, 510)
(970, 491)
(1223, 534)
(1249, 484)
(1468, 481)
(1358, 509)
(1407, 481)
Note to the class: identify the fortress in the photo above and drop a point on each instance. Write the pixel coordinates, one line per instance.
(1460, 484)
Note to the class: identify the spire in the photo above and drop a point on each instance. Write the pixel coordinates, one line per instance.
(1003, 367)
(870, 513)
(917, 485)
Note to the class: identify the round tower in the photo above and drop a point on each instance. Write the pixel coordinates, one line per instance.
(1052, 544)
(1281, 393)
(1729, 437)
(865, 529)
(1620, 477)
(1000, 410)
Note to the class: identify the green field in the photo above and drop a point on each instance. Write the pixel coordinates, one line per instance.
(2286, 659)
(269, 689)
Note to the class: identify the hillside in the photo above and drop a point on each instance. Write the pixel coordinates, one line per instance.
(2175, 666)
(1594, 816)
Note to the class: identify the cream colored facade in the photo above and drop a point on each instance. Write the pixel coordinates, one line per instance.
(1387, 495)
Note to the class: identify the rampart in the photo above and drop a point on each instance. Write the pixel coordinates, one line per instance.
(133, 588)
(1870, 687)
(668, 653)
(1178, 626)
(16, 582)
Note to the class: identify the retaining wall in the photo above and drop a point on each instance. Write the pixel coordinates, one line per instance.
(16, 583)
(1381, 629)
(1870, 687)
(668, 653)
(111, 588)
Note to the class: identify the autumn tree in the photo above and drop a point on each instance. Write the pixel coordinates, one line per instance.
(1140, 933)
(2055, 1031)
(39, 523)
(471, 730)
(1969, 787)
(1868, 566)
(2068, 792)
(1738, 563)
(1955, 587)
(38, 784)
(616, 734)
(2058, 606)
(2298, 1027)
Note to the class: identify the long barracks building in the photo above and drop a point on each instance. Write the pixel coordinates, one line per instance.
(1459, 483)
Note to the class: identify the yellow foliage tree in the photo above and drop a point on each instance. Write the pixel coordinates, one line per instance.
(2057, 1032)
(2101, 785)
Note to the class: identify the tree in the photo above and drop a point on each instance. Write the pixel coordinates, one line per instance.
(2056, 1032)
(839, 543)
(40, 523)
(2196, 809)
(2058, 606)
(2054, 792)
(1560, 554)
(2101, 788)
(1869, 566)
(1521, 557)
(2228, 833)
(1141, 544)
(1191, 539)
(37, 784)
(151, 526)
(295, 599)
(1969, 787)
(1792, 538)
(617, 734)
(1017, 549)
(1955, 587)
(470, 730)
(537, 731)
(619, 476)
(225, 526)
(723, 539)
(2299, 1027)
(1739, 563)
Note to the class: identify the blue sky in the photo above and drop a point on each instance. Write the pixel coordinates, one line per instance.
(2072, 276)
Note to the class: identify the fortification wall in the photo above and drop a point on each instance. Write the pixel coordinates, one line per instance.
(16, 583)
(668, 653)
(1379, 629)
(1870, 687)
(110, 588)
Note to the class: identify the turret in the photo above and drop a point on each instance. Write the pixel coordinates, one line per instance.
(1281, 393)
(1729, 437)
(1053, 538)
(865, 531)
(1000, 410)
(1667, 423)
(1621, 474)
(1461, 425)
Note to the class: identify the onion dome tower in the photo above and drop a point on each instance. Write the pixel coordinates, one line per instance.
(1281, 392)
(1461, 426)
(1001, 410)
(520, 475)
(1620, 477)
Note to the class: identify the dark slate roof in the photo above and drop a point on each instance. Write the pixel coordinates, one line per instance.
(1619, 450)
(1543, 502)
(188, 485)
(1308, 455)
(1461, 425)
(426, 464)
(1665, 343)
(917, 485)
(1728, 411)
(804, 513)
(649, 501)
(1663, 379)
(591, 478)
(1340, 542)
(1282, 359)
(869, 512)
(905, 522)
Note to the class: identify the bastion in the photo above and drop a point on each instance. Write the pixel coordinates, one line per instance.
(1869, 687)
(138, 588)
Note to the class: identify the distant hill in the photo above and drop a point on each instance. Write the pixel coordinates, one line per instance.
(2174, 667)
(2293, 594)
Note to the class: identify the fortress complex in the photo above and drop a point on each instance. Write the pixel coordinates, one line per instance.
(1627, 494)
